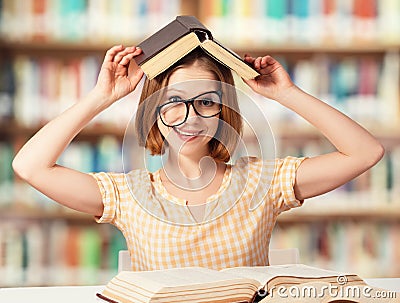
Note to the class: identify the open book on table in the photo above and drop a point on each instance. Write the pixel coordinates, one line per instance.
(238, 284)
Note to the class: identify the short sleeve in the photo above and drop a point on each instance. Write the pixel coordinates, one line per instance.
(283, 184)
(109, 188)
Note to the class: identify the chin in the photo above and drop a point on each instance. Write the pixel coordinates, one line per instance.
(191, 147)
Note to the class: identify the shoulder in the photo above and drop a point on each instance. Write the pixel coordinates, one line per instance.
(122, 179)
(272, 167)
(250, 162)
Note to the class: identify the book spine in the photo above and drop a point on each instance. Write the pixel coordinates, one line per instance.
(299, 21)
(340, 22)
(72, 19)
(358, 86)
(6, 175)
(388, 21)
(365, 20)
(34, 254)
(53, 84)
(7, 90)
(39, 20)
(368, 249)
(376, 189)
(278, 21)
(97, 21)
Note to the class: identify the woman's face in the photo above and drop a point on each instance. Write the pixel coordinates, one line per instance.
(191, 137)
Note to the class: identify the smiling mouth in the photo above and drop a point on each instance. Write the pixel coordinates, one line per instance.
(187, 133)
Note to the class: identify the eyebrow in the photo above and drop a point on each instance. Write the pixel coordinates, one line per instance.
(176, 90)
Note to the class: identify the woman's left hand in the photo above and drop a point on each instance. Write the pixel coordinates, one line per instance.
(273, 80)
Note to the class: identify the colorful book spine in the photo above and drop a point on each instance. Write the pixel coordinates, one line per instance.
(362, 86)
(368, 249)
(376, 189)
(97, 21)
(6, 175)
(334, 22)
(34, 254)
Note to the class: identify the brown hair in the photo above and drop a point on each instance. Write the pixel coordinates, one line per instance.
(146, 127)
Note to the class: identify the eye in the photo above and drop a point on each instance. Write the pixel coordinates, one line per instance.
(206, 102)
(174, 99)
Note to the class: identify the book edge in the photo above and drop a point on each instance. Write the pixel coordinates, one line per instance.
(187, 23)
(243, 69)
(148, 71)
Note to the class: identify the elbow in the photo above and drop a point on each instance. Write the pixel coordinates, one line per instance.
(21, 170)
(375, 154)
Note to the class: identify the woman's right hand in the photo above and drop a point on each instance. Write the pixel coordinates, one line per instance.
(119, 74)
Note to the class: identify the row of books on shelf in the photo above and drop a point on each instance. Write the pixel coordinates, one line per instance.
(35, 90)
(57, 253)
(93, 21)
(339, 22)
(300, 21)
(370, 250)
(378, 187)
(104, 155)
(363, 87)
(34, 254)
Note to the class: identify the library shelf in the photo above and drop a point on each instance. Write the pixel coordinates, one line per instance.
(388, 214)
(52, 48)
(283, 131)
(32, 214)
(90, 133)
(287, 48)
(308, 50)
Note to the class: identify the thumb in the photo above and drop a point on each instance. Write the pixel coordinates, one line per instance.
(136, 76)
(250, 82)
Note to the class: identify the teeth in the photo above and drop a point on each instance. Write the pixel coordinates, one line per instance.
(181, 132)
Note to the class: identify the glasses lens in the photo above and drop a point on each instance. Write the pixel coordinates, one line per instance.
(208, 105)
(173, 113)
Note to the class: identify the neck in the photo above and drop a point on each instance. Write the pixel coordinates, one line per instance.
(191, 173)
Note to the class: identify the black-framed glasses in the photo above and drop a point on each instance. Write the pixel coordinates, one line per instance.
(176, 111)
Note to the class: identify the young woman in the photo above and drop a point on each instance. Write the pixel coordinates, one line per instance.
(157, 213)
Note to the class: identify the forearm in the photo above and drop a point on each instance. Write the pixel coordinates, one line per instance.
(46, 146)
(346, 135)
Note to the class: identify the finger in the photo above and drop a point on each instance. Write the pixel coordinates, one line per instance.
(135, 73)
(135, 77)
(249, 58)
(264, 62)
(271, 60)
(120, 55)
(250, 82)
(110, 54)
(257, 63)
(127, 58)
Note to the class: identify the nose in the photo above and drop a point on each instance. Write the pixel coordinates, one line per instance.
(192, 112)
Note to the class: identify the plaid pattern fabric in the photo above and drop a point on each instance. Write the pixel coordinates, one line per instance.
(252, 195)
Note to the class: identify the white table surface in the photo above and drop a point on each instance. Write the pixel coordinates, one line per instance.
(87, 294)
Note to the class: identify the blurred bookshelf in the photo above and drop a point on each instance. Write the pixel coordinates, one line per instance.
(345, 52)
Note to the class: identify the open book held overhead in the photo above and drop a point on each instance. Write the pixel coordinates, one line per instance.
(237, 284)
(179, 38)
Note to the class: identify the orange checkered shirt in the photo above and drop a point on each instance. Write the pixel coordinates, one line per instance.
(161, 232)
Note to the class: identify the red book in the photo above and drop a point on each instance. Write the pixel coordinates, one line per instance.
(39, 22)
